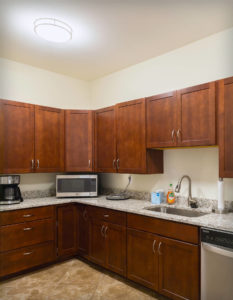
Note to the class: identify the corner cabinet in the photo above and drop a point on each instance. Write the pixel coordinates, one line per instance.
(182, 118)
(79, 141)
(225, 127)
(67, 230)
(121, 140)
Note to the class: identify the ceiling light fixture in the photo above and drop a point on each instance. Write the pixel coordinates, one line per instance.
(53, 30)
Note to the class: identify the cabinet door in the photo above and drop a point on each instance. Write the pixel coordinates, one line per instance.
(178, 269)
(105, 140)
(142, 258)
(67, 230)
(225, 127)
(83, 230)
(49, 139)
(161, 115)
(97, 242)
(78, 140)
(115, 236)
(16, 137)
(131, 139)
(196, 116)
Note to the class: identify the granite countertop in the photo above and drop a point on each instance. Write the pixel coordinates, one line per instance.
(210, 220)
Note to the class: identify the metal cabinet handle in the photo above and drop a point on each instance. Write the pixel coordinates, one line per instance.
(173, 133)
(160, 253)
(153, 246)
(27, 216)
(105, 232)
(33, 163)
(113, 163)
(38, 163)
(106, 216)
(27, 228)
(89, 163)
(178, 133)
(118, 160)
(102, 230)
(27, 253)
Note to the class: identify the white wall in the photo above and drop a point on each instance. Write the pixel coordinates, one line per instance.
(203, 61)
(24, 83)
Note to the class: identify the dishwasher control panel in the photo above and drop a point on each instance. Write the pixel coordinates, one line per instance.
(217, 237)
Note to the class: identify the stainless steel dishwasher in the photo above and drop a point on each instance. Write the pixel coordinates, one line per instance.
(216, 264)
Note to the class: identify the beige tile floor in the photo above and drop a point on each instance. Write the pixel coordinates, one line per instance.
(73, 280)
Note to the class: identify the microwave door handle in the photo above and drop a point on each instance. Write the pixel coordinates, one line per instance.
(218, 250)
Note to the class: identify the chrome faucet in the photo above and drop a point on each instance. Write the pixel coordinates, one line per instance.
(191, 202)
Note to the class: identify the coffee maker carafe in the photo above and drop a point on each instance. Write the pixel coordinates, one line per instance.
(9, 190)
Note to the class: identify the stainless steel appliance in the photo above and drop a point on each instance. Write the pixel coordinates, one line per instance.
(9, 190)
(216, 264)
(77, 185)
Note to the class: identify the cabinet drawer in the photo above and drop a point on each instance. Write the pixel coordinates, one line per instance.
(179, 231)
(25, 258)
(24, 215)
(109, 215)
(26, 234)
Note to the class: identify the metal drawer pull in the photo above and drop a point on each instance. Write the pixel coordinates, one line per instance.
(27, 216)
(33, 164)
(105, 232)
(113, 163)
(27, 228)
(89, 163)
(28, 253)
(173, 132)
(153, 247)
(38, 163)
(178, 133)
(160, 253)
(106, 216)
(102, 230)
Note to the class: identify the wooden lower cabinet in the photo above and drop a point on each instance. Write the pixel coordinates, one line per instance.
(97, 242)
(83, 230)
(178, 269)
(142, 258)
(67, 230)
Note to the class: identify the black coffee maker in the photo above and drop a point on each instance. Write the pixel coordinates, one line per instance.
(9, 190)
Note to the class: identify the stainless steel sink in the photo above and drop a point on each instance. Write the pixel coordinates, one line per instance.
(177, 211)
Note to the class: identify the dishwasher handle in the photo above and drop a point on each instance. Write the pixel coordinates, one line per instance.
(218, 250)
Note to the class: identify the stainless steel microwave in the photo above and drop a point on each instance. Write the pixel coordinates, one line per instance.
(76, 186)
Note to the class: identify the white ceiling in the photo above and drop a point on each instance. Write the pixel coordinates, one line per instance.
(109, 35)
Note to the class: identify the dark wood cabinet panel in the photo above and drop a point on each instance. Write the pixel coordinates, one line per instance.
(105, 140)
(178, 269)
(131, 148)
(16, 137)
(49, 139)
(142, 258)
(196, 116)
(115, 236)
(67, 230)
(161, 116)
(97, 248)
(83, 230)
(225, 127)
(79, 140)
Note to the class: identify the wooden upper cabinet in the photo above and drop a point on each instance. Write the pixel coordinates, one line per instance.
(196, 116)
(79, 141)
(178, 269)
(131, 148)
(225, 127)
(16, 137)
(161, 115)
(49, 139)
(105, 140)
(132, 155)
